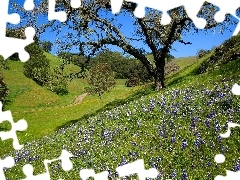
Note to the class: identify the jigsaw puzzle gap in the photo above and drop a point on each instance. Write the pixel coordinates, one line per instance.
(53, 15)
(29, 5)
(8, 162)
(76, 3)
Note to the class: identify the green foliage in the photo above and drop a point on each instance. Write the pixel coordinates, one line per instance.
(46, 46)
(132, 81)
(57, 83)
(3, 86)
(75, 59)
(123, 67)
(223, 54)
(101, 79)
(119, 64)
(171, 67)
(38, 66)
(202, 53)
(4, 63)
(138, 70)
(3, 89)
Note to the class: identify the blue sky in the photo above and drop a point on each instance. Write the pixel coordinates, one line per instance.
(199, 41)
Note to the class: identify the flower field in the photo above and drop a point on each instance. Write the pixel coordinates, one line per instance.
(175, 131)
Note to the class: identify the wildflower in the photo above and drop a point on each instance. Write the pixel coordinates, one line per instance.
(184, 144)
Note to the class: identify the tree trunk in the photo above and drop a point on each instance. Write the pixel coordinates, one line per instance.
(159, 74)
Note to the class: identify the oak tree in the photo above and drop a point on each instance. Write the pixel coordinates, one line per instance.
(94, 27)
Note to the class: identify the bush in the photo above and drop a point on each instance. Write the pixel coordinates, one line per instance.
(57, 83)
(100, 79)
(124, 67)
(4, 63)
(46, 46)
(202, 53)
(132, 81)
(3, 89)
(38, 66)
(223, 54)
(170, 68)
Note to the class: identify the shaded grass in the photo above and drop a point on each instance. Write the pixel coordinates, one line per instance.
(45, 122)
(106, 139)
(56, 113)
(183, 62)
(186, 71)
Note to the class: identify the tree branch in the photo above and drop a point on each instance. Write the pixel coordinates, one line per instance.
(185, 43)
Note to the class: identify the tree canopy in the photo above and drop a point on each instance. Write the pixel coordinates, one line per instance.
(101, 79)
(95, 27)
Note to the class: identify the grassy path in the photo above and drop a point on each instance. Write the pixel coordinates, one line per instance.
(77, 101)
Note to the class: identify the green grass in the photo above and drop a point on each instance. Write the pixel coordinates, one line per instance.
(44, 110)
(106, 114)
(36, 104)
(182, 62)
(188, 70)
(109, 136)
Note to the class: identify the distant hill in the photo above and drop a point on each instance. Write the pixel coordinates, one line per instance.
(225, 53)
(163, 128)
(182, 62)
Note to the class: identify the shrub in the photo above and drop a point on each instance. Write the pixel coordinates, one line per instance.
(100, 79)
(170, 68)
(3, 89)
(202, 53)
(57, 83)
(4, 63)
(223, 54)
(46, 46)
(132, 81)
(38, 66)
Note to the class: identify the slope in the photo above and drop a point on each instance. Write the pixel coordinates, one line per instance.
(162, 128)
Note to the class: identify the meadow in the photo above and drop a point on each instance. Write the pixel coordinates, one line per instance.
(175, 130)
(44, 110)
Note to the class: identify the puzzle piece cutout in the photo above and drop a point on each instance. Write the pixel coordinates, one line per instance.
(60, 15)
(227, 7)
(236, 89)
(28, 5)
(9, 45)
(164, 6)
(192, 9)
(21, 125)
(220, 158)
(137, 167)
(65, 162)
(87, 173)
(8, 162)
(18, 45)
(230, 176)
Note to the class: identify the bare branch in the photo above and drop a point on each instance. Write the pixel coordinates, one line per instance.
(185, 43)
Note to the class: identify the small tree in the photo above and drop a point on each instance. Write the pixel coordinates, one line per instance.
(57, 83)
(46, 46)
(38, 66)
(202, 53)
(100, 79)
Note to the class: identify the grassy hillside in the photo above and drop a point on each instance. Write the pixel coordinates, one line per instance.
(182, 62)
(175, 130)
(44, 110)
